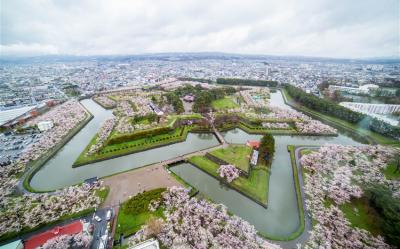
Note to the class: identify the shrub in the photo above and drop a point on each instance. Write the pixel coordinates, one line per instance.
(138, 135)
(140, 202)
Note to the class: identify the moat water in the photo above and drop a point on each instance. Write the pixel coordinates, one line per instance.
(280, 219)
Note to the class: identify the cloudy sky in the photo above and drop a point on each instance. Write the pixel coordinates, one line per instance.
(329, 28)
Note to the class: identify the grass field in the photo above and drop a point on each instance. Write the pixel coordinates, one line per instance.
(361, 215)
(134, 212)
(238, 155)
(130, 223)
(255, 186)
(305, 152)
(103, 193)
(391, 173)
(259, 129)
(224, 103)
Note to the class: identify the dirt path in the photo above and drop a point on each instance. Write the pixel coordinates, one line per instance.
(127, 184)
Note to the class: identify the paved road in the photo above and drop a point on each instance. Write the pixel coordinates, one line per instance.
(101, 234)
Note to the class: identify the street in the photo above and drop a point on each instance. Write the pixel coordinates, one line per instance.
(101, 230)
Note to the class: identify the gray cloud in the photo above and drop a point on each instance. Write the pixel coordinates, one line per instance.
(341, 28)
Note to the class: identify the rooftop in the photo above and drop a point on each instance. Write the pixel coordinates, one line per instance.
(148, 244)
(9, 115)
(39, 239)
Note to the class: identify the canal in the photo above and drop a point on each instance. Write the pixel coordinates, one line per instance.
(280, 219)
(58, 172)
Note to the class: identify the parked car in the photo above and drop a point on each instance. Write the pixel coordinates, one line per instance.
(97, 218)
(108, 215)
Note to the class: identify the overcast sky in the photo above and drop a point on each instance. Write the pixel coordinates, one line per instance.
(334, 28)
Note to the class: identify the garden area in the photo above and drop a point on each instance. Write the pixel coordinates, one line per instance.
(239, 155)
(347, 192)
(224, 103)
(134, 213)
(197, 223)
(392, 171)
(143, 141)
(109, 143)
(362, 215)
(255, 186)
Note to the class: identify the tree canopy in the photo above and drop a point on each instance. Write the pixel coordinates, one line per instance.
(246, 82)
(388, 207)
(267, 149)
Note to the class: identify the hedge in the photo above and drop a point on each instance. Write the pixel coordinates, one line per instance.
(138, 135)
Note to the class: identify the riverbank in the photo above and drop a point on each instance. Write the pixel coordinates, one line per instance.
(36, 165)
(366, 135)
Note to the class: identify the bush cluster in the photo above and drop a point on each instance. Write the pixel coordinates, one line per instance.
(246, 82)
(140, 202)
(267, 149)
(138, 135)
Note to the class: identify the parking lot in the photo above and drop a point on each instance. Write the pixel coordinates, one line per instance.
(12, 145)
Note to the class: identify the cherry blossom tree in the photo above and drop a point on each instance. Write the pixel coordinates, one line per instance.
(79, 241)
(229, 172)
(336, 173)
(192, 223)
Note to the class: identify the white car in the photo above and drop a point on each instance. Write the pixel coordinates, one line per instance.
(97, 218)
(108, 215)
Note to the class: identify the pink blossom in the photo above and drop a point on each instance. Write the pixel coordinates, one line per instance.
(230, 172)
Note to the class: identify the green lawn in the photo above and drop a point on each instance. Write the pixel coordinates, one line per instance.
(130, 223)
(132, 146)
(361, 215)
(238, 155)
(260, 130)
(224, 103)
(134, 212)
(305, 152)
(391, 173)
(255, 186)
(143, 122)
(171, 119)
(103, 193)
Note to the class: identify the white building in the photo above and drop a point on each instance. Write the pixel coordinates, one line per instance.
(379, 111)
(368, 87)
(372, 108)
(45, 125)
(364, 89)
(254, 158)
(148, 244)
